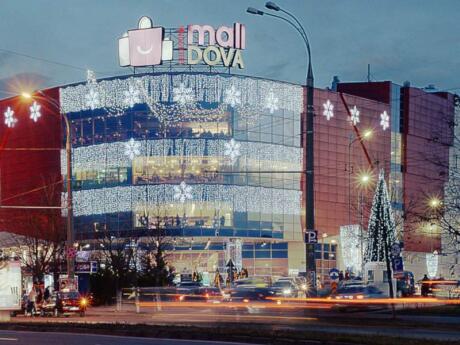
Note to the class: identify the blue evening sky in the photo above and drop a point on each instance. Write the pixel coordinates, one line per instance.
(402, 39)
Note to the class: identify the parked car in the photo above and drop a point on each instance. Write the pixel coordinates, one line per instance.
(61, 303)
(254, 281)
(189, 285)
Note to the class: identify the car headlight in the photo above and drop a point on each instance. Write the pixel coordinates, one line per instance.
(287, 291)
(84, 302)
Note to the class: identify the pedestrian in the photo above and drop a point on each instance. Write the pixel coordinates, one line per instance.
(47, 294)
(31, 301)
(318, 283)
(347, 275)
(425, 286)
(340, 275)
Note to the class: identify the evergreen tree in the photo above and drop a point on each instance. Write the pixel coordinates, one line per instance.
(381, 229)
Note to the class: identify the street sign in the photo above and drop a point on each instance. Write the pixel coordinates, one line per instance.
(334, 274)
(395, 250)
(311, 236)
(71, 252)
(86, 267)
(397, 265)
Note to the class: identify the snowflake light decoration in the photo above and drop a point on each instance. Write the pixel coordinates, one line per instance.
(232, 96)
(35, 111)
(182, 192)
(271, 102)
(183, 95)
(328, 110)
(92, 99)
(10, 120)
(132, 148)
(131, 96)
(384, 120)
(232, 150)
(432, 261)
(354, 118)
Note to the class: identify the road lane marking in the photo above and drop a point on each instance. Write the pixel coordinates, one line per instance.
(8, 339)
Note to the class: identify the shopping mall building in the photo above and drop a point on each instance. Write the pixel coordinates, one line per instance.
(216, 161)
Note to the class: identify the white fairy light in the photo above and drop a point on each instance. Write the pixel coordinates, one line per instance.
(109, 155)
(90, 77)
(232, 150)
(354, 118)
(432, 261)
(35, 111)
(131, 96)
(381, 233)
(328, 110)
(384, 120)
(156, 92)
(132, 148)
(271, 102)
(92, 99)
(350, 244)
(183, 192)
(10, 120)
(183, 95)
(127, 198)
(232, 96)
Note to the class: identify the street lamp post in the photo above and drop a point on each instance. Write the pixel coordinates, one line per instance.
(69, 206)
(321, 275)
(435, 205)
(308, 131)
(364, 181)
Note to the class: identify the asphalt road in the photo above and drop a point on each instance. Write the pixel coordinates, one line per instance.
(36, 338)
(313, 318)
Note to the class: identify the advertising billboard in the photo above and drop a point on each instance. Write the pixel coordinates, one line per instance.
(10, 285)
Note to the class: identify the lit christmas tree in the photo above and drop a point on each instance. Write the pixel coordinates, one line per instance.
(381, 229)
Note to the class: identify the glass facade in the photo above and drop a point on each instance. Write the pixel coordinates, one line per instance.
(206, 157)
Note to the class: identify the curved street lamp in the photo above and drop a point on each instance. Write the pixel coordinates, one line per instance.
(309, 130)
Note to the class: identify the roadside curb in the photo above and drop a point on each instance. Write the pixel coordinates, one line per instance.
(230, 333)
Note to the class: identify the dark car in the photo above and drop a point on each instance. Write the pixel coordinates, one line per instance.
(358, 297)
(247, 295)
(189, 285)
(61, 303)
(202, 294)
(359, 293)
(285, 288)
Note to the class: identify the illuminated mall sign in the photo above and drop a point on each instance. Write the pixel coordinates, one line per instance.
(223, 46)
(204, 45)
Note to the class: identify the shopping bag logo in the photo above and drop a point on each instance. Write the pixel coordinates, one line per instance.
(145, 46)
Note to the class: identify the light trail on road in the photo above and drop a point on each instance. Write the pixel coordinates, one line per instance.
(242, 317)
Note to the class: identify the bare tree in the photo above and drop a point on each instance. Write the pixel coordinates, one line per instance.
(118, 255)
(41, 248)
(154, 270)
